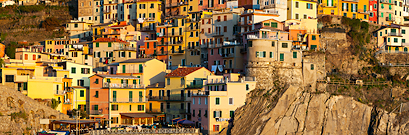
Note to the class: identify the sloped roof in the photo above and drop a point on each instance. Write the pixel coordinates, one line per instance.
(182, 71)
(139, 60)
(136, 115)
(157, 85)
(109, 40)
(115, 76)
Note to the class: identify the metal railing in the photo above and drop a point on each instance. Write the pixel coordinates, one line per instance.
(95, 112)
(128, 100)
(228, 55)
(394, 34)
(59, 92)
(194, 131)
(155, 110)
(118, 85)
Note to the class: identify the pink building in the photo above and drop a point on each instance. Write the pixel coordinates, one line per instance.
(213, 109)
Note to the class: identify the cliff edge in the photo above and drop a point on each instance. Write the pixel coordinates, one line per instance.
(20, 114)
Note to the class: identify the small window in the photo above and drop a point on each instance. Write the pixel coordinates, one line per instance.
(230, 101)
(96, 94)
(73, 70)
(273, 44)
(294, 54)
(312, 66)
(284, 45)
(271, 54)
(96, 81)
(313, 37)
(250, 43)
(247, 87)
(81, 93)
(217, 101)
(168, 81)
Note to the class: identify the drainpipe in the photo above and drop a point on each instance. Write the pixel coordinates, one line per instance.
(109, 105)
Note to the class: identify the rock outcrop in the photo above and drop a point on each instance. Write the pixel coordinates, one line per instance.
(297, 111)
(20, 114)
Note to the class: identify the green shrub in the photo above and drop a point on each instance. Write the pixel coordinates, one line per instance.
(30, 8)
(20, 114)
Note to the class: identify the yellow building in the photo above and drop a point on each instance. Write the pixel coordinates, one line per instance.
(356, 9)
(191, 34)
(156, 101)
(301, 9)
(148, 13)
(329, 7)
(178, 97)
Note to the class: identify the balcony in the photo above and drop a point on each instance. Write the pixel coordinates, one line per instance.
(227, 43)
(177, 52)
(175, 98)
(128, 100)
(149, 19)
(230, 55)
(363, 11)
(95, 112)
(390, 19)
(215, 45)
(351, 0)
(176, 4)
(59, 92)
(125, 48)
(328, 6)
(203, 46)
(192, 20)
(194, 86)
(394, 34)
(107, 11)
(176, 43)
(155, 111)
(262, 37)
(128, 86)
(201, 93)
(157, 98)
(387, 1)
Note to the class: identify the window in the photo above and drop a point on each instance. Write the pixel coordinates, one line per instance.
(205, 101)
(141, 108)
(296, 16)
(284, 45)
(389, 39)
(313, 37)
(193, 101)
(97, 44)
(9, 78)
(225, 28)
(96, 81)
(96, 94)
(403, 40)
(403, 31)
(168, 81)
(182, 81)
(247, 87)
(312, 66)
(114, 107)
(230, 101)
(217, 101)
(109, 44)
(152, 6)
(81, 93)
(250, 43)
(193, 114)
(217, 114)
(294, 54)
(395, 40)
(380, 33)
(296, 5)
(73, 70)
(199, 101)
(95, 107)
(271, 54)
(267, 24)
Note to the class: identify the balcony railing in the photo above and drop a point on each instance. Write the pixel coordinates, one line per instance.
(125, 48)
(386, 1)
(228, 55)
(351, 0)
(201, 93)
(390, 18)
(118, 85)
(128, 100)
(175, 98)
(155, 110)
(227, 43)
(107, 11)
(177, 52)
(363, 11)
(194, 86)
(95, 112)
(261, 37)
(394, 34)
(59, 92)
(157, 98)
(203, 46)
(176, 4)
(176, 43)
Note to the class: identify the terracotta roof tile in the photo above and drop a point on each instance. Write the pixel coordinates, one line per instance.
(109, 40)
(182, 71)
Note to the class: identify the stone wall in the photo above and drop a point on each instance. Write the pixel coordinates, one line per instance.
(268, 72)
(20, 114)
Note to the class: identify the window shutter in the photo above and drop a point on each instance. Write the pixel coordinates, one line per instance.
(220, 113)
(214, 114)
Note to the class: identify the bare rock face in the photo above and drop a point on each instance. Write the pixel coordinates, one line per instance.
(20, 114)
(300, 112)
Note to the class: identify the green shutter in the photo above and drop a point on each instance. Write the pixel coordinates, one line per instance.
(140, 68)
(96, 94)
(81, 93)
(123, 68)
(294, 54)
(214, 114)
(274, 24)
(250, 43)
(312, 66)
(109, 44)
(130, 94)
(281, 56)
(73, 70)
(114, 94)
(108, 80)
(97, 44)
(134, 81)
(95, 107)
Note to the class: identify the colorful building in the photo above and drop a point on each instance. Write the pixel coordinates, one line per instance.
(303, 33)
(393, 38)
(118, 98)
(329, 7)
(214, 107)
(301, 9)
(178, 100)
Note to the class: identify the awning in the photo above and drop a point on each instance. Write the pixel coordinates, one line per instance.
(75, 121)
(136, 115)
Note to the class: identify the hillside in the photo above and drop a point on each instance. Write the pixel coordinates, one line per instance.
(26, 23)
(335, 104)
(20, 114)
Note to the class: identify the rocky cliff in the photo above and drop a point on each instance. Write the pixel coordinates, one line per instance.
(299, 112)
(20, 114)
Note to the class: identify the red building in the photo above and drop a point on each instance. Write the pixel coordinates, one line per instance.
(373, 9)
(211, 4)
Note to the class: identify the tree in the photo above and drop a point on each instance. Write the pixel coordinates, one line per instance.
(83, 114)
(54, 103)
(50, 23)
